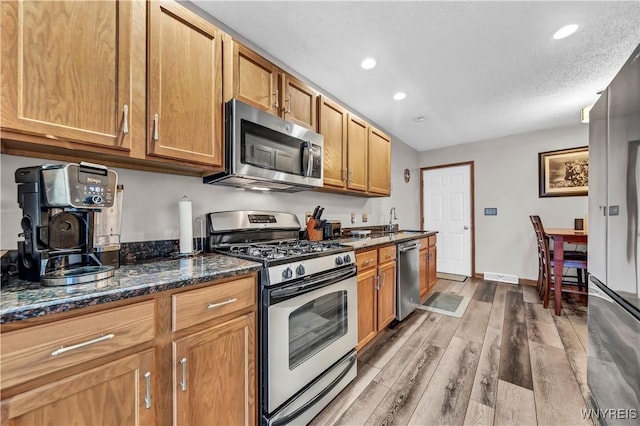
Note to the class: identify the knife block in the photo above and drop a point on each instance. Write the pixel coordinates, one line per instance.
(312, 233)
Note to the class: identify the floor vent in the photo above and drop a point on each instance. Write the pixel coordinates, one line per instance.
(503, 278)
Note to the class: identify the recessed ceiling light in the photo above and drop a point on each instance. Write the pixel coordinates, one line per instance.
(421, 118)
(399, 96)
(565, 31)
(368, 63)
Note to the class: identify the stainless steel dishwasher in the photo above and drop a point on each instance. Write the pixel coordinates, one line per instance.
(408, 279)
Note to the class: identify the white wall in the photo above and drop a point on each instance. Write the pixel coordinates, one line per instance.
(506, 177)
(150, 207)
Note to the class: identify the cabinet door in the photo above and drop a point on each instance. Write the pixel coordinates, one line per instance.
(255, 80)
(367, 306)
(332, 125)
(214, 375)
(299, 103)
(424, 273)
(386, 294)
(117, 393)
(432, 278)
(185, 86)
(66, 70)
(379, 162)
(357, 158)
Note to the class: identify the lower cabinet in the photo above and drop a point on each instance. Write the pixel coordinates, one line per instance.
(376, 291)
(428, 277)
(185, 357)
(116, 393)
(213, 375)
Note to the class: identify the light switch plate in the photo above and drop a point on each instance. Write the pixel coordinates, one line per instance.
(364, 217)
(353, 217)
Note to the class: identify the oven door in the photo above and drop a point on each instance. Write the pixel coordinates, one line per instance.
(266, 147)
(307, 333)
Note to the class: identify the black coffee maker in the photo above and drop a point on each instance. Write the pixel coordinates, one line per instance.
(58, 204)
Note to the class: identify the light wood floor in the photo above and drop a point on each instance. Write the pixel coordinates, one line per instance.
(506, 361)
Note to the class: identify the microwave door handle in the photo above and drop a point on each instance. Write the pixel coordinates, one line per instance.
(309, 160)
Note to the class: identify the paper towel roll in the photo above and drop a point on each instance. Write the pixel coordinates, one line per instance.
(186, 226)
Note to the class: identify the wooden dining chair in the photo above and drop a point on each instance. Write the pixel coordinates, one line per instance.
(572, 259)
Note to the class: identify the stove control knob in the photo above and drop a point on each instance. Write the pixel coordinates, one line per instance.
(347, 258)
(300, 270)
(287, 273)
(339, 261)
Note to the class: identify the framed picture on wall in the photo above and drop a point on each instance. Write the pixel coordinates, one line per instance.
(563, 173)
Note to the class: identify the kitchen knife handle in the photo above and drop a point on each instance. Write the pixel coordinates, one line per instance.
(183, 382)
(155, 127)
(147, 398)
(125, 121)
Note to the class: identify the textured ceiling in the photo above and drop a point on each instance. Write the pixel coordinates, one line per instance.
(477, 70)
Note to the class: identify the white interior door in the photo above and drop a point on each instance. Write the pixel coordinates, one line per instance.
(447, 209)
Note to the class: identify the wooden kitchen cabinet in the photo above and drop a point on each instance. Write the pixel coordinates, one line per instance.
(332, 124)
(116, 393)
(428, 272)
(67, 72)
(376, 291)
(298, 102)
(357, 153)
(185, 116)
(214, 375)
(379, 165)
(250, 78)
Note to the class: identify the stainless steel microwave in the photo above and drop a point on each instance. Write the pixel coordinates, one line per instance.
(265, 152)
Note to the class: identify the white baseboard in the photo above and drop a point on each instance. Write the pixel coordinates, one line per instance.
(503, 278)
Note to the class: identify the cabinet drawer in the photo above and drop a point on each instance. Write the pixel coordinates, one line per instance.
(432, 240)
(367, 259)
(386, 254)
(33, 352)
(196, 306)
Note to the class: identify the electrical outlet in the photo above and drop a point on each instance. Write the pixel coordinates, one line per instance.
(353, 217)
(364, 217)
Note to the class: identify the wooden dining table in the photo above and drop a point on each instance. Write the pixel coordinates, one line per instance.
(561, 236)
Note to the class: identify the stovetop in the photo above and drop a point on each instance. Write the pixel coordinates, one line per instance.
(279, 252)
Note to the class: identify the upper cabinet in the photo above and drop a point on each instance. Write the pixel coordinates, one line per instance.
(254, 80)
(66, 71)
(332, 124)
(357, 153)
(185, 86)
(298, 102)
(379, 166)
(251, 79)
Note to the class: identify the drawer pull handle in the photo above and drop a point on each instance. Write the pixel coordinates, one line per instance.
(226, 302)
(83, 344)
(125, 121)
(368, 261)
(147, 398)
(183, 383)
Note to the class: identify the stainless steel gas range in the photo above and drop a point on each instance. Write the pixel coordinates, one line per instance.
(308, 325)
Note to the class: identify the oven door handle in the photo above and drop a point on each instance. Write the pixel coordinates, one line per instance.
(318, 397)
(320, 282)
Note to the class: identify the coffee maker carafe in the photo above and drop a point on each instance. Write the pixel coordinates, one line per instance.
(58, 204)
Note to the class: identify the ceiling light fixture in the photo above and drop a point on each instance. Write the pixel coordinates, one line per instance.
(421, 118)
(565, 31)
(399, 96)
(368, 63)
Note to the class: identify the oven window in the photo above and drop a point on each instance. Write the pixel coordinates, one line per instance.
(316, 325)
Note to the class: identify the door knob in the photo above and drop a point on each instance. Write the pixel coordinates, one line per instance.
(466, 227)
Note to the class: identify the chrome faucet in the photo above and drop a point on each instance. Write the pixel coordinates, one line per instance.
(392, 215)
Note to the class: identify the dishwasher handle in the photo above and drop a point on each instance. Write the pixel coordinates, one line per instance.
(408, 248)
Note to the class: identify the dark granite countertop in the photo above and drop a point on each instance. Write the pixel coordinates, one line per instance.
(377, 240)
(20, 300)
